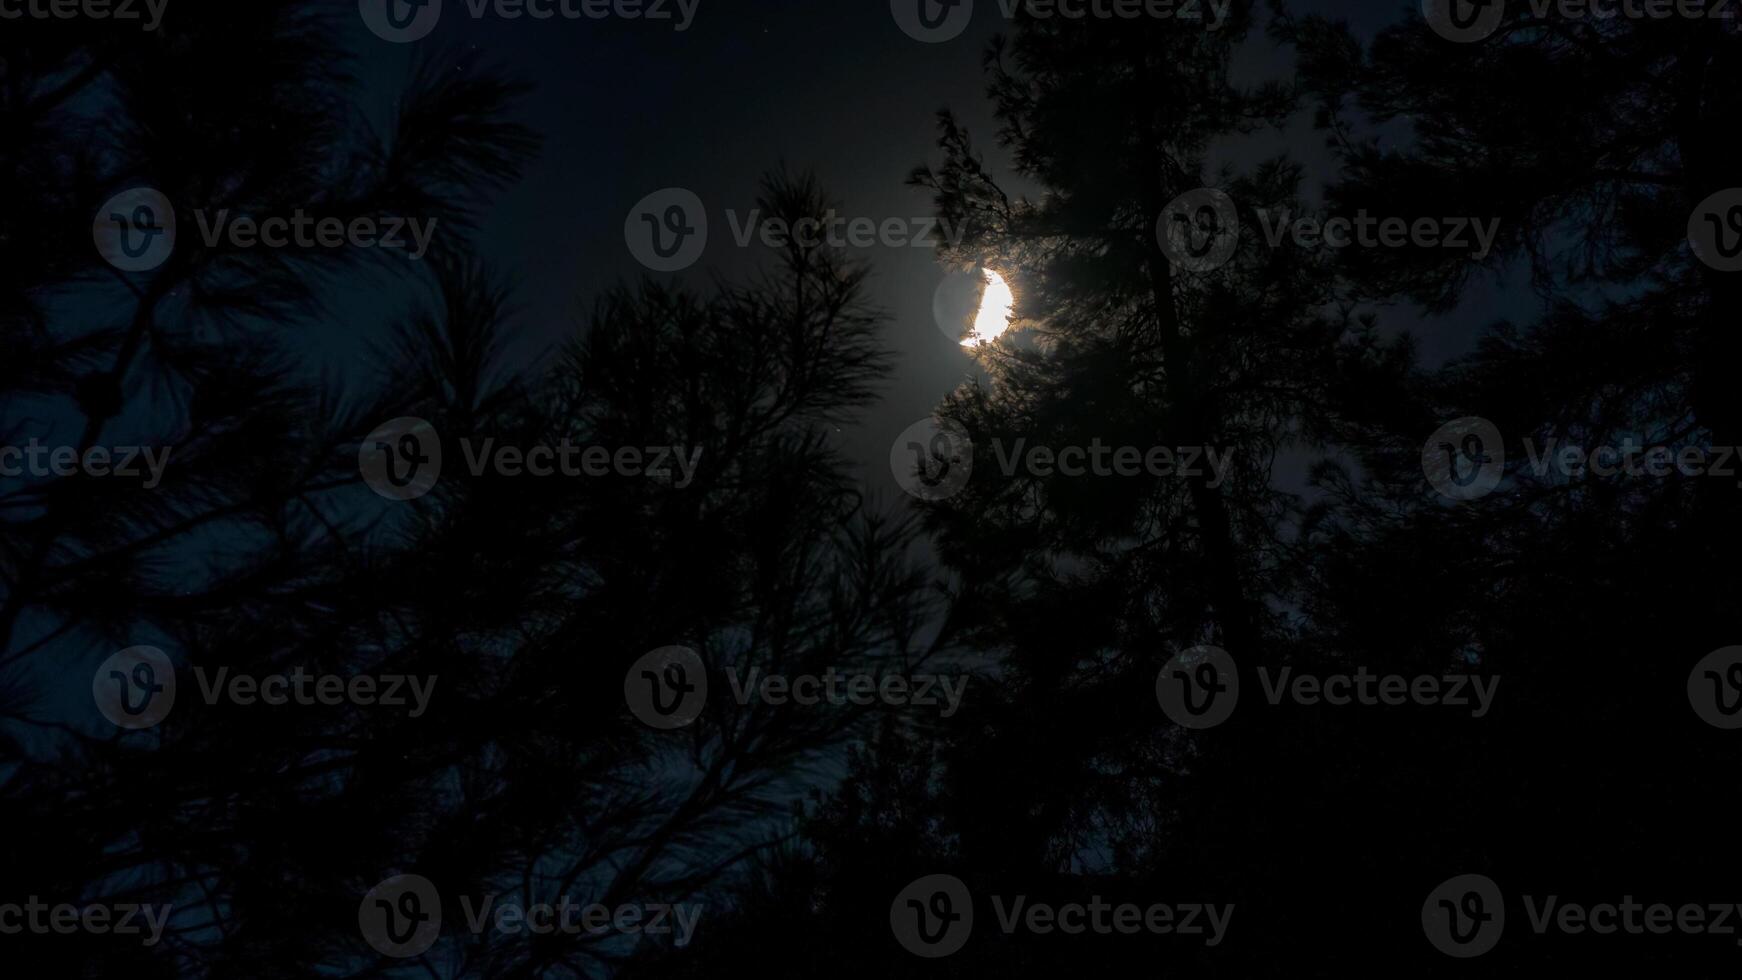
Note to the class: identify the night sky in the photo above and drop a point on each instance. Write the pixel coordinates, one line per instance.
(623, 659)
(627, 108)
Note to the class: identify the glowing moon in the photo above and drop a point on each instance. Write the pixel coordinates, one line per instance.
(996, 304)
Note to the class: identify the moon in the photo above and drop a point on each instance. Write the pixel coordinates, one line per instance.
(996, 304)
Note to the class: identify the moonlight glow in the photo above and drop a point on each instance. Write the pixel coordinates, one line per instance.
(994, 316)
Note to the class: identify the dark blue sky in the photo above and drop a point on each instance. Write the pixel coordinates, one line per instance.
(833, 86)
